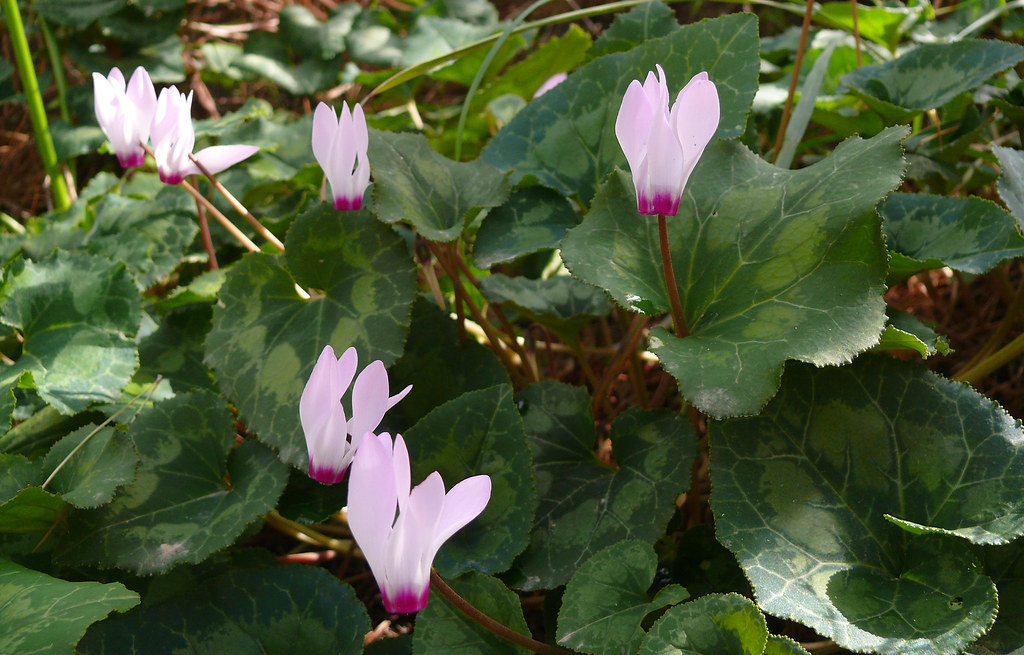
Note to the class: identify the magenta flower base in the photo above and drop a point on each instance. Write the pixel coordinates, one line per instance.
(406, 601)
(348, 203)
(326, 475)
(662, 203)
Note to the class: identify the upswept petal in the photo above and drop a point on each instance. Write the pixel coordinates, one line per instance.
(632, 124)
(463, 503)
(142, 96)
(695, 117)
(218, 158)
(403, 476)
(325, 125)
(369, 398)
(372, 501)
(320, 393)
(347, 364)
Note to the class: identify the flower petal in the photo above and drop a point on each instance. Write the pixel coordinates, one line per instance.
(219, 158)
(325, 125)
(408, 556)
(659, 192)
(369, 399)
(462, 504)
(633, 124)
(695, 117)
(372, 501)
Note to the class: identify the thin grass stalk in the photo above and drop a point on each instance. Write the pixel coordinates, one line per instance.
(34, 100)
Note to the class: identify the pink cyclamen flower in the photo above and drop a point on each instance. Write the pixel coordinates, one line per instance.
(339, 145)
(174, 137)
(332, 440)
(662, 146)
(400, 550)
(550, 83)
(124, 112)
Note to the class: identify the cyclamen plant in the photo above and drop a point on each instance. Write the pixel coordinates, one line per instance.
(644, 329)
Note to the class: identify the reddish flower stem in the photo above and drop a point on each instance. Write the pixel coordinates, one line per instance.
(678, 318)
(505, 633)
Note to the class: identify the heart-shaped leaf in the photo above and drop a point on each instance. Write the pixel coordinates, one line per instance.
(710, 625)
(534, 218)
(78, 314)
(187, 501)
(850, 466)
(435, 194)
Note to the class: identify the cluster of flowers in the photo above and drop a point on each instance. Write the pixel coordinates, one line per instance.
(398, 548)
(131, 115)
(398, 528)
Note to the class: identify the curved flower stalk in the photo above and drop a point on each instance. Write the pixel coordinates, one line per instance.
(339, 145)
(400, 549)
(174, 137)
(125, 112)
(663, 146)
(331, 439)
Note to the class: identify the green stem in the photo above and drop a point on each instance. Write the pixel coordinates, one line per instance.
(1006, 354)
(678, 317)
(58, 68)
(34, 99)
(801, 48)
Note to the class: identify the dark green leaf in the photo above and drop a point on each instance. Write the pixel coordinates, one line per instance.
(783, 646)
(32, 510)
(606, 600)
(930, 75)
(41, 615)
(807, 495)
(77, 13)
(704, 566)
(968, 234)
(272, 611)
(95, 470)
(1005, 565)
(1011, 182)
(771, 264)
(480, 432)
(149, 237)
(187, 501)
(646, 21)
(307, 501)
(310, 37)
(585, 503)
(435, 194)
(175, 350)
(434, 352)
(266, 338)
(442, 628)
(566, 138)
(562, 304)
(533, 219)
(78, 314)
(711, 625)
